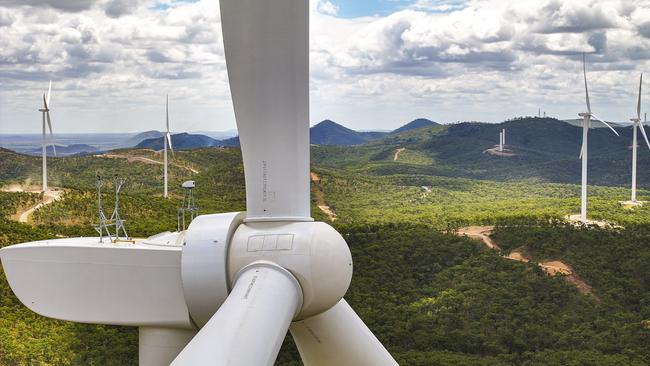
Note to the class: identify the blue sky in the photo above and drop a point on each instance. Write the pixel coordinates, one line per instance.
(358, 8)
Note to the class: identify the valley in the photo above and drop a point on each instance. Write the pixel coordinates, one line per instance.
(537, 290)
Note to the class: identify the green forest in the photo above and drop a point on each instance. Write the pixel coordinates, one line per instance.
(431, 296)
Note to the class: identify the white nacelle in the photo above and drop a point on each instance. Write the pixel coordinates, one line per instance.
(85, 281)
(188, 184)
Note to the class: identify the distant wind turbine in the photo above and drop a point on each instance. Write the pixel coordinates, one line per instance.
(503, 137)
(586, 124)
(501, 140)
(45, 110)
(636, 122)
(167, 140)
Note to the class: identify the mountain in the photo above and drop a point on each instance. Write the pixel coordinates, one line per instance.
(180, 141)
(135, 140)
(415, 124)
(62, 151)
(538, 149)
(329, 132)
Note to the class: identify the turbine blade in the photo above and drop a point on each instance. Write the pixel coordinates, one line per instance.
(169, 141)
(338, 337)
(584, 72)
(582, 149)
(49, 125)
(593, 116)
(638, 105)
(644, 134)
(267, 57)
(49, 91)
(167, 112)
(249, 327)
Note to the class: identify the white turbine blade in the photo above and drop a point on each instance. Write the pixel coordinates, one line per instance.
(338, 337)
(593, 116)
(49, 91)
(584, 72)
(169, 141)
(248, 329)
(49, 125)
(267, 56)
(582, 149)
(638, 106)
(167, 113)
(644, 134)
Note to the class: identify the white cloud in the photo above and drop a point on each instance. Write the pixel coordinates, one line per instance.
(326, 7)
(446, 60)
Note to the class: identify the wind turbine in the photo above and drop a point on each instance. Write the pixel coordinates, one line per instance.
(636, 122)
(167, 140)
(45, 110)
(586, 124)
(225, 291)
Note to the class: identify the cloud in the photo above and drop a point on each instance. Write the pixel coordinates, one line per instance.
(326, 7)
(117, 8)
(6, 18)
(448, 60)
(64, 5)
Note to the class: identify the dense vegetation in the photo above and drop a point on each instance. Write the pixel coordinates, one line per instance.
(431, 297)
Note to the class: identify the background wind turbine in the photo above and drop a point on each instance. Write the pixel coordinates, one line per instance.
(226, 291)
(586, 124)
(166, 140)
(636, 122)
(45, 110)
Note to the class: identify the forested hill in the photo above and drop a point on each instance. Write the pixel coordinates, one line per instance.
(542, 149)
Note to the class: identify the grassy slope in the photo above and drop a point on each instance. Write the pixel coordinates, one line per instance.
(432, 298)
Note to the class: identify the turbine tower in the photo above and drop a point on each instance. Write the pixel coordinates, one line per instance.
(226, 291)
(45, 110)
(501, 140)
(586, 124)
(636, 122)
(166, 140)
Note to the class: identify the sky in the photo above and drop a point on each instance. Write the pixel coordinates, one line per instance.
(375, 65)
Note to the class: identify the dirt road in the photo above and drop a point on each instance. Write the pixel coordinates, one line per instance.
(397, 152)
(55, 194)
(320, 197)
(553, 268)
(142, 159)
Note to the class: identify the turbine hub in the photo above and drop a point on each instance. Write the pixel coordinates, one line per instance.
(313, 252)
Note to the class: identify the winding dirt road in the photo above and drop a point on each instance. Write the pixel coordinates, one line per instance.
(553, 268)
(397, 152)
(50, 196)
(142, 159)
(320, 198)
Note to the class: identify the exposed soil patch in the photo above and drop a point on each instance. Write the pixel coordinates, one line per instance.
(495, 151)
(575, 219)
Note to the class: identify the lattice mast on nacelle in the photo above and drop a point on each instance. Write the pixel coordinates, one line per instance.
(188, 207)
